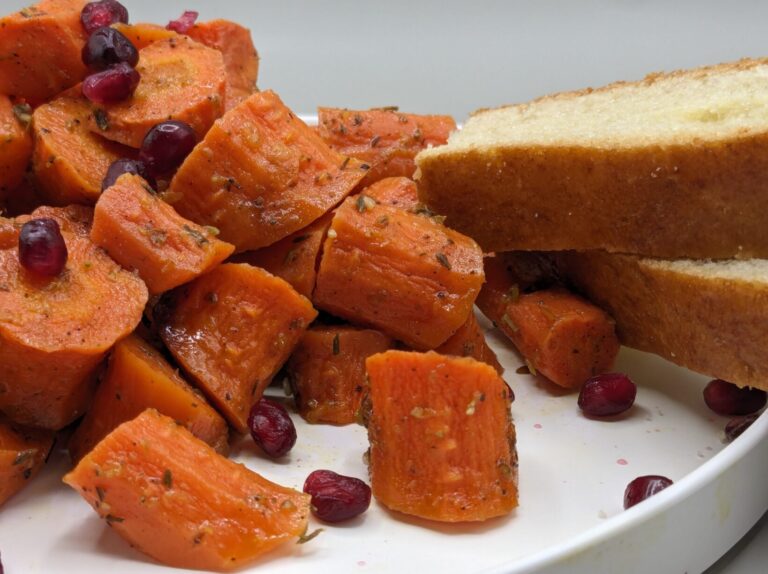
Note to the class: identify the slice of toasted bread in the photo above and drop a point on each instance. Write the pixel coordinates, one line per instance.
(675, 165)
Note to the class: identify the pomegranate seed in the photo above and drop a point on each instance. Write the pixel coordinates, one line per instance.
(738, 425)
(184, 22)
(336, 497)
(107, 46)
(96, 15)
(644, 487)
(607, 394)
(41, 247)
(272, 428)
(125, 165)
(113, 85)
(727, 399)
(166, 145)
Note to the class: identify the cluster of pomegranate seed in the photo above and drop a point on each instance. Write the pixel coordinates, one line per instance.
(165, 146)
(125, 165)
(42, 250)
(644, 487)
(607, 394)
(271, 428)
(727, 399)
(183, 23)
(336, 497)
(108, 54)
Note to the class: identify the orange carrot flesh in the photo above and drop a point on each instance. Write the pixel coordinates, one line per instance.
(231, 330)
(385, 139)
(561, 336)
(294, 258)
(142, 232)
(15, 146)
(261, 174)
(395, 191)
(40, 50)
(240, 57)
(55, 332)
(327, 371)
(402, 273)
(174, 498)
(180, 80)
(143, 34)
(138, 378)
(68, 160)
(442, 440)
(22, 454)
(469, 341)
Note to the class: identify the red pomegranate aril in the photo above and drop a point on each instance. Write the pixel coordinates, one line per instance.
(166, 145)
(272, 428)
(184, 22)
(725, 398)
(336, 497)
(644, 487)
(737, 426)
(607, 394)
(107, 46)
(41, 247)
(112, 85)
(96, 15)
(125, 165)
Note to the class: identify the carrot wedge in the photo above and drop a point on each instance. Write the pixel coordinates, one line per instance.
(562, 336)
(142, 232)
(385, 139)
(441, 435)
(40, 50)
(174, 498)
(260, 174)
(55, 332)
(469, 341)
(143, 34)
(22, 454)
(15, 145)
(395, 191)
(138, 378)
(231, 330)
(180, 79)
(402, 273)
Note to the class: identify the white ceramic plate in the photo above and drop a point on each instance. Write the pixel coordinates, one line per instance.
(572, 476)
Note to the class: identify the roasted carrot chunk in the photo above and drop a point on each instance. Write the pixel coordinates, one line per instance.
(55, 332)
(561, 336)
(240, 57)
(22, 454)
(469, 341)
(69, 161)
(442, 439)
(143, 34)
(142, 232)
(231, 330)
(15, 145)
(327, 371)
(403, 273)
(385, 139)
(261, 174)
(174, 498)
(395, 191)
(180, 79)
(293, 258)
(138, 378)
(40, 50)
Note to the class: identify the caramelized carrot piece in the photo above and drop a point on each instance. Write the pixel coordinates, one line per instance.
(69, 161)
(403, 273)
(385, 139)
(174, 498)
(40, 50)
(469, 341)
(142, 232)
(231, 330)
(138, 378)
(442, 439)
(180, 80)
(261, 174)
(561, 336)
(327, 371)
(55, 332)
(143, 34)
(15, 145)
(294, 258)
(240, 57)
(22, 454)
(395, 191)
